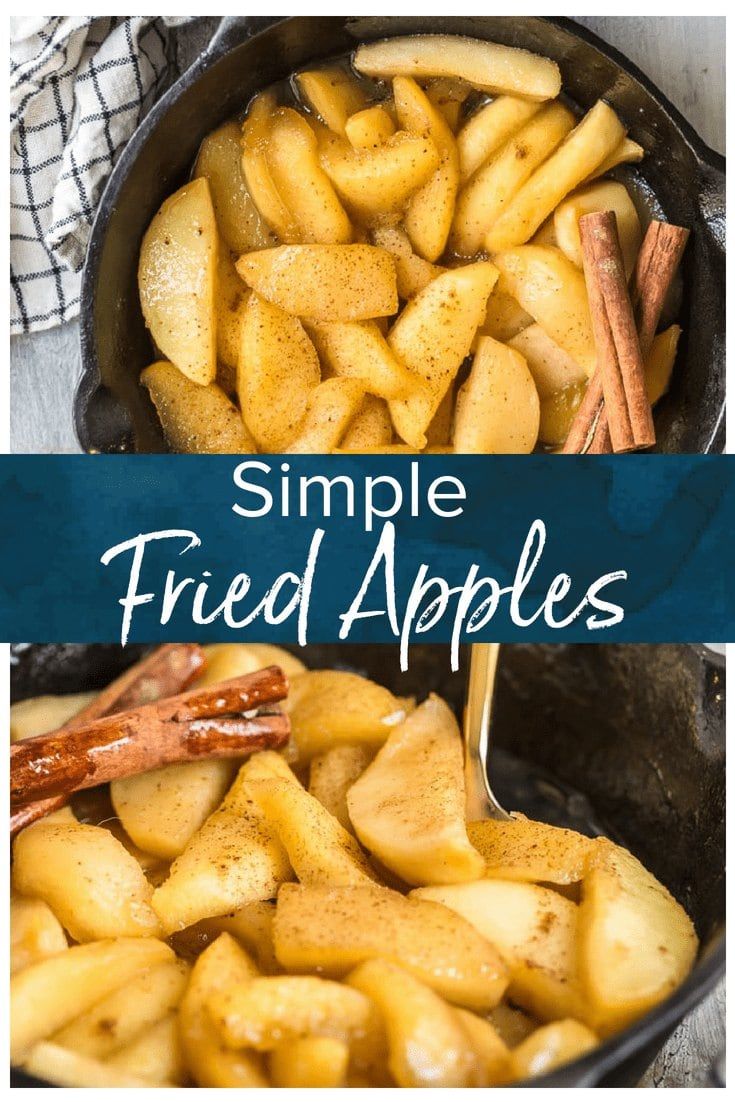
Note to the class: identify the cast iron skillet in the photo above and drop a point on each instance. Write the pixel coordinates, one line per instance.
(639, 730)
(679, 178)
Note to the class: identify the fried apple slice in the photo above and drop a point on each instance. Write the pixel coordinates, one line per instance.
(263, 1012)
(636, 943)
(128, 1012)
(35, 932)
(333, 773)
(277, 373)
(412, 272)
(238, 220)
(40, 714)
(485, 65)
(427, 1046)
(596, 136)
(48, 995)
(660, 362)
(358, 350)
(371, 427)
(497, 410)
(525, 849)
(329, 708)
(233, 859)
(604, 195)
(195, 419)
(93, 885)
(211, 1064)
(162, 810)
(408, 806)
(301, 182)
(333, 94)
(553, 291)
(260, 183)
(489, 128)
(505, 318)
(322, 853)
(493, 187)
(535, 931)
(432, 336)
(331, 407)
(627, 152)
(374, 182)
(551, 367)
(177, 281)
(370, 127)
(428, 217)
(310, 1062)
(551, 1047)
(332, 930)
(324, 282)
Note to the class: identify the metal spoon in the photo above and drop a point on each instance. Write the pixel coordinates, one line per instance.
(481, 803)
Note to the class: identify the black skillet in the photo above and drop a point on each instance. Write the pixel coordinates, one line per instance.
(679, 178)
(627, 740)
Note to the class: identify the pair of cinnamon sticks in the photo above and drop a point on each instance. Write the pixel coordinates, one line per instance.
(615, 413)
(139, 723)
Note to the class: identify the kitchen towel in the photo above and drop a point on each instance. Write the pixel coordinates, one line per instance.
(79, 85)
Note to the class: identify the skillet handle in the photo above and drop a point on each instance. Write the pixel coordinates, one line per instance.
(234, 30)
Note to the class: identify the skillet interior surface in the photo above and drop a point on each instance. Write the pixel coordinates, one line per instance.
(626, 739)
(679, 179)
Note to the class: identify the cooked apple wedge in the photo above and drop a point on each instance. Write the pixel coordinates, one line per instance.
(332, 707)
(195, 419)
(256, 132)
(233, 859)
(369, 128)
(358, 350)
(325, 282)
(238, 220)
(535, 931)
(322, 853)
(331, 407)
(371, 427)
(551, 367)
(64, 864)
(263, 1012)
(490, 1047)
(211, 1064)
(412, 272)
(293, 159)
(333, 94)
(636, 943)
(603, 195)
(333, 773)
(497, 410)
(524, 849)
(488, 193)
(432, 337)
(427, 1046)
(332, 930)
(408, 806)
(277, 372)
(596, 136)
(553, 291)
(428, 217)
(177, 279)
(489, 128)
(315, 1062)
(550, 1047)
(35, 932)
(660, 362)
(162, 809)
(374, 182)
(485, 65)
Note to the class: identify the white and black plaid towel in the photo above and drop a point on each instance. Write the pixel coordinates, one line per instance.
(79, 85)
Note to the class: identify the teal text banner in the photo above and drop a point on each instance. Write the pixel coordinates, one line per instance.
(367, 548)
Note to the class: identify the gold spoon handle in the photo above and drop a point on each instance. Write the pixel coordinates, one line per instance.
(481, 803)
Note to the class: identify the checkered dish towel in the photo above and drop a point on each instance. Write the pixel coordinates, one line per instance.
(79, 85)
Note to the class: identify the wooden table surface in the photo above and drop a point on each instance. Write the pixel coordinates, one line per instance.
(685, 57)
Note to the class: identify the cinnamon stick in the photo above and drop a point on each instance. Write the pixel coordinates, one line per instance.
(658, 260)
(619, 358)
(164, 672)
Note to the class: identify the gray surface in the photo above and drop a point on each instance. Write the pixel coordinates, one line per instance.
(685, 57)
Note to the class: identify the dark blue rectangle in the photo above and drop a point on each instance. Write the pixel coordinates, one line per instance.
(664, 522)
